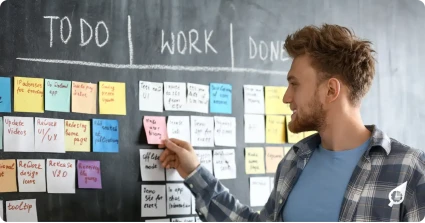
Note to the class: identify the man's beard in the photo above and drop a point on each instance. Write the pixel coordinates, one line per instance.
(311, 121)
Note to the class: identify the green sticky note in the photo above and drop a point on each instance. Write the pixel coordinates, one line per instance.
(57, 95)
(1, 133)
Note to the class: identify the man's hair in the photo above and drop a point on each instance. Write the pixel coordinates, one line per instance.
(336, 52)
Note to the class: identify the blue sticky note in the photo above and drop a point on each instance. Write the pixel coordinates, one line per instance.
(5, 98)
(57, 95)
(220, 98)
(105, 135)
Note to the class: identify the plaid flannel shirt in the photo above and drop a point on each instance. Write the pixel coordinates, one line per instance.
(385, 165)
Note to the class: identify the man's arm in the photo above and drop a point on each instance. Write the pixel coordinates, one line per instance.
(215, 203)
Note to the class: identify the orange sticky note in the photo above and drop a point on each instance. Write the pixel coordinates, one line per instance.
(77, 136)
(275, 129)
(155, 128)
(28, 94)
(8, 176)
(112, 98)
(84, 97)
(273, 156)
(293, 137)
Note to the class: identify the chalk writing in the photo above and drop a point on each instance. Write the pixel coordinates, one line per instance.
(271, 51)
(182, 42)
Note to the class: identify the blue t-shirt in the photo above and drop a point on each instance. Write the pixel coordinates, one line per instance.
(319, 192)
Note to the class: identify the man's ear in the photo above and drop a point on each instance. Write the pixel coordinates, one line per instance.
(333, 89)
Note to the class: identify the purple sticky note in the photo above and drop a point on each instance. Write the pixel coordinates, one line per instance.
(89, 174)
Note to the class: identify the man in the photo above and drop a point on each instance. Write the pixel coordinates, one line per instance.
(346, 172)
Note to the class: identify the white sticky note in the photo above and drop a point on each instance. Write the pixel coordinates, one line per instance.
(18, 134)
(184, 219)
(150, 96)
(179, 199)
(158, 220)
(150, 166)
(178, 127)
(60, 176)
(1, 210)
(225, 131)
(205, 158)
(49, 135)
(193, 205)
(202, 131)
(255, 129)
(198, 97)
(31, 175)
(224, 164)
(174, 96)
(21, 211)
(271, 184)
(254, 99)
(153, 201)
(173, 175)
(259, 190)
(197, 219)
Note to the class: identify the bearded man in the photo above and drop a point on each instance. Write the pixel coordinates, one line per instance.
(347, 171)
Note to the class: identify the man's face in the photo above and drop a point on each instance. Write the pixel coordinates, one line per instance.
(304, 97)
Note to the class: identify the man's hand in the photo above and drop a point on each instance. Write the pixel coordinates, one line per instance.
(179, 155)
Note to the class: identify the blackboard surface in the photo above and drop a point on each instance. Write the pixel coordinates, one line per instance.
(226, 31)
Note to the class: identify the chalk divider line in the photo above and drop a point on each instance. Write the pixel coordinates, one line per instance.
(155, 66)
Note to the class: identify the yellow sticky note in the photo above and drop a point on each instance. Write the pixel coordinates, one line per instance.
(112, 98)
(254, 160)
(77, 136)
(309, 133)
(293, 137)
(28, 94)
(275, 129)
(274, 101)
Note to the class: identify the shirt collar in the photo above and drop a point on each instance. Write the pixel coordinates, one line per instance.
(379, 140)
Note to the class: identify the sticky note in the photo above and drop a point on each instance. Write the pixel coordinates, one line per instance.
(155, 128)
(183, 219)
(32, 175)
(151, 96)
(224, 164)
(197, 219)
(254, 160)
(84, 97)
(28, 94)
(179, 200)
(57, 95)
(8, 176)
(172, 175)
(225, 131)
(220, 98)
(178, 127)
(18, 134)
(49, 135)
(60, 176)
(89, 174)
(1, 133)
(112, 100)
(150, 166)
(275, 129)
(5, 95)
(174, 96)
(273, 157)
(105, 135)
(293, 137)
(273, 100)
(202, 131)
(253, 99)
(259, 191)
(254, 129)
(153, 201)
(286, 150)
(21, 211)
(198, 97)
(205, 158)
(1, 210)
(158, 220)
(77, 136)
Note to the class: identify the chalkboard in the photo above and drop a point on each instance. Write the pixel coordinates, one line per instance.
(239, 43)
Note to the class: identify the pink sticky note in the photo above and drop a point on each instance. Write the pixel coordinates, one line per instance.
(89, 174)
(155, 128)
